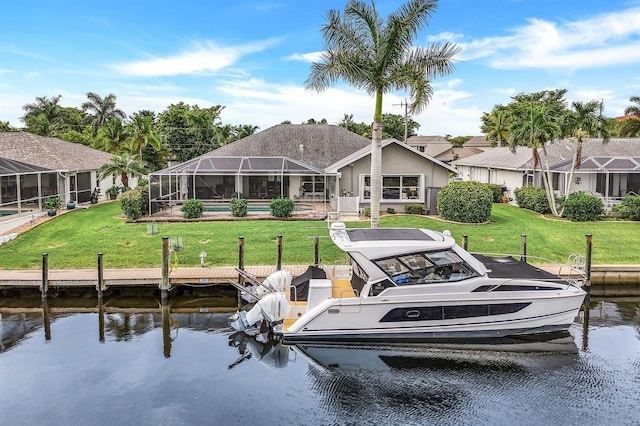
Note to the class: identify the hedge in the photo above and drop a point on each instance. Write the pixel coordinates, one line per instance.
(468, 202)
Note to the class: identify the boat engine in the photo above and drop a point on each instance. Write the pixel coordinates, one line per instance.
(279, 281)
(272, 308)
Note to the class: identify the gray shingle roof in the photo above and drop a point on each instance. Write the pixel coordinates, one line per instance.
(50, 153)
(322, 144)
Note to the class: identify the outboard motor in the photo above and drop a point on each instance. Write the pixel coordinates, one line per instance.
(272, 308)
(278, 281)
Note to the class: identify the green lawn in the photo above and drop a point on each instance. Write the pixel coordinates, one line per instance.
(74, 239)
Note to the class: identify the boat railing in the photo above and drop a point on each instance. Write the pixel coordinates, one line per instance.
(573, 272)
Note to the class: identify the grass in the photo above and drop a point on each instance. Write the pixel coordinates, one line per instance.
(74, 239)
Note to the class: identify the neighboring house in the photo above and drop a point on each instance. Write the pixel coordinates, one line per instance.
(42, 167)
(611, 170)
(310, 162)
(441, 149)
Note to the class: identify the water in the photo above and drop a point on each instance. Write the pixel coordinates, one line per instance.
(154, 367)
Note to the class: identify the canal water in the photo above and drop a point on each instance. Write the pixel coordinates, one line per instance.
(173, 367)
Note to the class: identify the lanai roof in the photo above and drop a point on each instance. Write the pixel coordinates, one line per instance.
(50, 153)
(13, 167)
(208, 164)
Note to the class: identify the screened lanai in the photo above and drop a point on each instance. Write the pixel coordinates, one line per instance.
(211, 178)
(23, 187)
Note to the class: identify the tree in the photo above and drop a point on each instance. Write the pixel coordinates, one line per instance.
(125, 165)
(583, 122)
(534, 133)
(43, 116)
(5, 126)
(362, 129)
(393, 126)
(143, 132)
(377, 56)
(112, 136)
(630, 126)
(101, 110)
(496, 126)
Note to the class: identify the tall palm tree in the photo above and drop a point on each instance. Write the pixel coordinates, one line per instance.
(143, 132)
(43, 116)
(377, 56)
(535, 133)
(583, 122)
(125, 165)
(101, 109)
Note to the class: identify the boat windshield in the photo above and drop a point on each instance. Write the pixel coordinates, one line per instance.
(426, 267)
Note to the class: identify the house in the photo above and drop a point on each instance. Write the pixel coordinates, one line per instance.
(36, 167)
(304, 162)
(611, 170)
(441, 149)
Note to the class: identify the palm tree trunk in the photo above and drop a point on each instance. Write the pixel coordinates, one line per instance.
(376, 162)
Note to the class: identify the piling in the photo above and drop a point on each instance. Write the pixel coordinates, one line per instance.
(316, 250)
(240, 267)
(100, 286)
(164, 284)
(45, 275)
(46, 319)
(587, 266)
(523, 248)
(166, 329)
(100, 321)
(279, 258)
(465, 241)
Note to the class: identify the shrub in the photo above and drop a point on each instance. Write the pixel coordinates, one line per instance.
(581, 207)
(52, 203)
(414, 209)
(281, 207)
(468, 202)
(532, 198)
(367, 212)
(391, 210)
(238, 207)
(630, 207)
(496, 190)
(192, 208)
(131, 203)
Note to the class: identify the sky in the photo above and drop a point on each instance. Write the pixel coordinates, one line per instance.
(253, 56)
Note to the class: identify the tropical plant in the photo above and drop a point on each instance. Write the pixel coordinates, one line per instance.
(496, 126)
(630, 207)
(583, 122)
(124, 165)
(532, 198)
(281, 207)
(534, 133)
(52, 203)
(112, 136)
(377, 56)
(131, 203)
(192, 208)
(101, 110)
(43, 116)
(467, 202)
(238, 207)
(143, 132)
(581, 207)
(630, 126)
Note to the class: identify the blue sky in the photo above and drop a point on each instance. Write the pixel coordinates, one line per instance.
(253, 56)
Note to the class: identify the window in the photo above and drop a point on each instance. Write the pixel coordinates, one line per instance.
(395, 187)
(311, 184)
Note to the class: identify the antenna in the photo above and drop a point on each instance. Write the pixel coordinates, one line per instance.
(405, 105)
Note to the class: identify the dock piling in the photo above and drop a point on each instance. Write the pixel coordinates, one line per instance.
(523, 248)
(279, 258)
(100, 286)
(465, 241)
(164, 284)
(45, 275)
(316, 250)
(587, 266)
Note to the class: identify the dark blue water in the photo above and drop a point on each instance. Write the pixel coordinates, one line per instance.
(189, 369)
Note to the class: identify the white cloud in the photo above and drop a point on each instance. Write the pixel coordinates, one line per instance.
(202, 57)
(605, 40)
(306, 57)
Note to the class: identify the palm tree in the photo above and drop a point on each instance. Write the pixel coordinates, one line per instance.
(112, 136)
(124, 165)
(497, 127)
(630, 127)
(535, 133)
(583, 122)
(143, 132)
(43, 116)
(101, 110)
(379, 57)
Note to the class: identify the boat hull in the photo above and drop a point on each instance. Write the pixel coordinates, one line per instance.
(371, 320)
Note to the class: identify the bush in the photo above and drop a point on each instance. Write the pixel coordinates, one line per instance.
(192, 208)
(496, 190)
(391, 210)
(532, 198)
(468, 202)
(581, 207)
(281, 207)
(630, 207)
(238, 207)
(131, 203)
(367, 212)
(414, 209)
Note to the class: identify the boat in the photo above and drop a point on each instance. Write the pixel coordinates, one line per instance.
(411, 285)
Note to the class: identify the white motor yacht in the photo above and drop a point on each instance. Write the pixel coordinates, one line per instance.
(408, 284)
